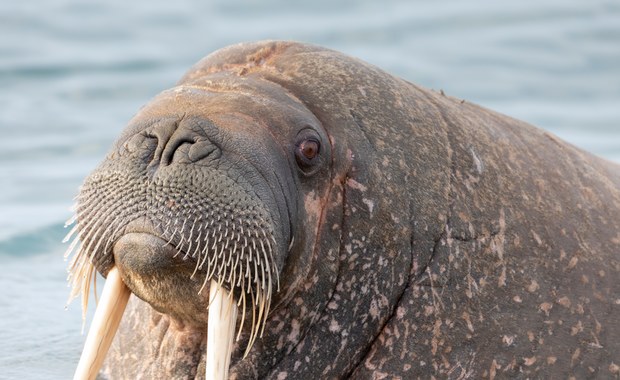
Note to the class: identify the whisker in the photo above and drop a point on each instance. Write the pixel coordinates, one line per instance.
(71, 220)
(71, 232)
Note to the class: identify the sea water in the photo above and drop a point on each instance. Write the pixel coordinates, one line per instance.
(73, 72)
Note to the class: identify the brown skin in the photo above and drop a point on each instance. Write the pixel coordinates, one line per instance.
(439, 238)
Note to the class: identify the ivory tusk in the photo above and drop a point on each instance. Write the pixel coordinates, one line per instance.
(103, 327)
(221, 331)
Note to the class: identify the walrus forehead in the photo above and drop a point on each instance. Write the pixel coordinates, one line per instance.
(255, 109)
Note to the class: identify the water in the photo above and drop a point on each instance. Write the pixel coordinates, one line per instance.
(73, 72)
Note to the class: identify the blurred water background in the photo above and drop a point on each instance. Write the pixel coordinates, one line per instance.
(73, 72)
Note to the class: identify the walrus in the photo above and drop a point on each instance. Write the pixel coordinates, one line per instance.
(364, 227)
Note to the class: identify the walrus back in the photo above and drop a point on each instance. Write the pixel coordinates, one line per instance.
(524, 279)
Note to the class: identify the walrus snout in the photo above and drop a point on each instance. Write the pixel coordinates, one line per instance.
(162, 276)
(173, 188)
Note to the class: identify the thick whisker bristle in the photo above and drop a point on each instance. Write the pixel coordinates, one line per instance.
(230, 237)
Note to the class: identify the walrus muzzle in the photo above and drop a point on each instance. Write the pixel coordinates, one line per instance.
(164, 217)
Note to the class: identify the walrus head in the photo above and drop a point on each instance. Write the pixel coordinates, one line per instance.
(259, 172)
(198, 188)
(212, 180)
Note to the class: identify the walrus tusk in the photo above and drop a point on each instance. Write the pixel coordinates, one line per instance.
(105, 323)
(221, 331)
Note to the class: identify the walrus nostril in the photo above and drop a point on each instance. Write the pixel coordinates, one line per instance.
(176, 149)
(179, 142)
(186, 146)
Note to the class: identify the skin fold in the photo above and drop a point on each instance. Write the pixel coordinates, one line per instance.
(427, 236)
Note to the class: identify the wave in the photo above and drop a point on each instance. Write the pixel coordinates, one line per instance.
(38, 241)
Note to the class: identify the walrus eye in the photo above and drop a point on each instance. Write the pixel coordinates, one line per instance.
(309, 148)
(307, 151)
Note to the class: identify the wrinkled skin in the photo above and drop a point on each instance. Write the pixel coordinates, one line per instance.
(432, 237)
